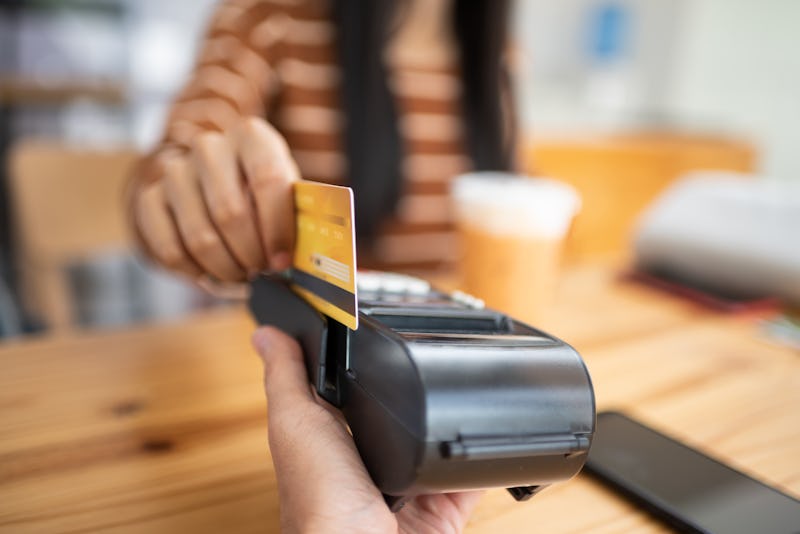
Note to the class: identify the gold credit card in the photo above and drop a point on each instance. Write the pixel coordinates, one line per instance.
(324, 266)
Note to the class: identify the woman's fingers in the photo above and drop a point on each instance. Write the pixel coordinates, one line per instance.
(270, 172)
(198, 234)
(157, 229)
(223, 191)
(225, 209)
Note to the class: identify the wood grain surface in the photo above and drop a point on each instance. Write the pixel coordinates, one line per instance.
(162, 428)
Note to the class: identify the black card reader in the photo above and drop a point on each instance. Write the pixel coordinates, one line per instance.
(441, 394)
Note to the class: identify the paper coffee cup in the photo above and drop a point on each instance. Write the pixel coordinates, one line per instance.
(512, 228)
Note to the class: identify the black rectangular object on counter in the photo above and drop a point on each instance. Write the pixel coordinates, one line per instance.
(682, 486)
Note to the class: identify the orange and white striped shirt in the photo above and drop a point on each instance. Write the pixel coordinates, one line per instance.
(278, 59)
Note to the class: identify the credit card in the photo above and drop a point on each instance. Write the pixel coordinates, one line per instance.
(324, 263)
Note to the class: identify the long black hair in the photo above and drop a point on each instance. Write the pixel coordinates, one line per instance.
(372, 140)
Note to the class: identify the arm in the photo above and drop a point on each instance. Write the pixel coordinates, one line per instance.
(214, 197)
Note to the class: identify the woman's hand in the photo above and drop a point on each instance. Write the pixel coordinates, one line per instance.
(323, 485)
(224, 208)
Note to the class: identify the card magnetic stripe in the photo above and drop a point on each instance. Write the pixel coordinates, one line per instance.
(342, 299)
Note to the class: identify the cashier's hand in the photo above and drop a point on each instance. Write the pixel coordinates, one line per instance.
(224, 209)
(322, 483)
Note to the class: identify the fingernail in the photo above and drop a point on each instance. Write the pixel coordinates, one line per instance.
(280, 261)
(262, 340)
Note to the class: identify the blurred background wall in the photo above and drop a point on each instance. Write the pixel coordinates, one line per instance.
(95, 71)
(724, 66)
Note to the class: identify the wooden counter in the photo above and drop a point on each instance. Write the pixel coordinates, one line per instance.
(162, 428)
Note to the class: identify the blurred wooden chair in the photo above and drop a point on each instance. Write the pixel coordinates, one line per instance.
(68, 205)
(618, 176)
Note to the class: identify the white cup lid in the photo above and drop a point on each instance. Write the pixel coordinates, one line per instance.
(513, 204)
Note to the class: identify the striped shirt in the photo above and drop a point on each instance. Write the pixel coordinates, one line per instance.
(278, 59)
